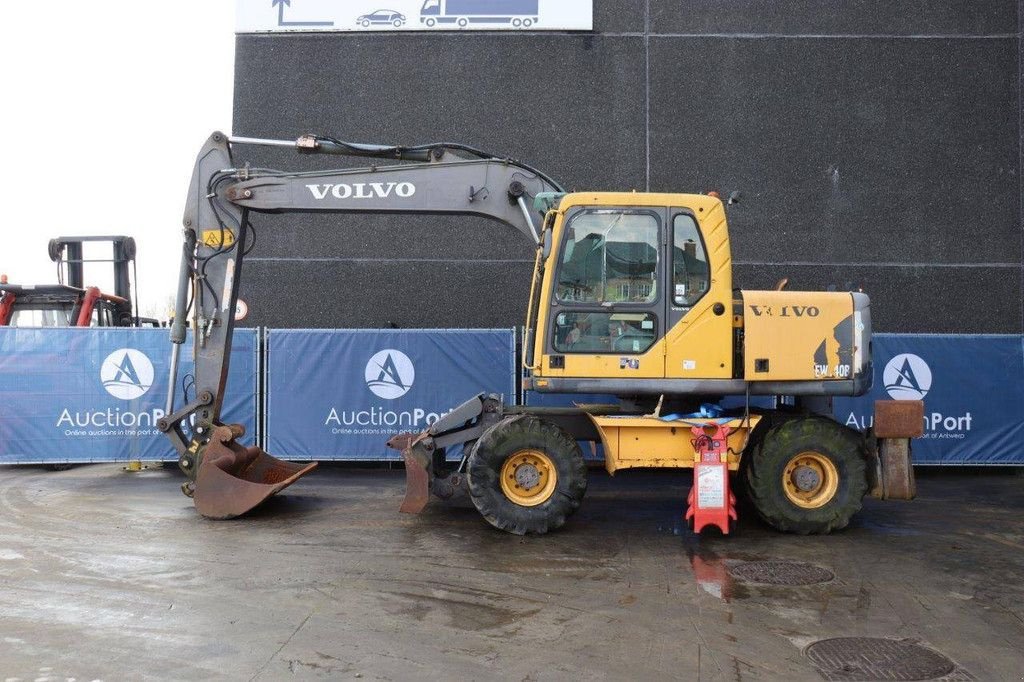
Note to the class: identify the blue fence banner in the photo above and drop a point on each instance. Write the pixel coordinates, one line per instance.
(340, 394)
(95, 394)
(973, 392)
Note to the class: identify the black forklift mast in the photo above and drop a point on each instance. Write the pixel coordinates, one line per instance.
(68, 252)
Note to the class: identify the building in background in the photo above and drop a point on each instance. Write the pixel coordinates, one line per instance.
(876, 145)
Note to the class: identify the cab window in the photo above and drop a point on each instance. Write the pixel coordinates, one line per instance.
(610, 256)
(36, 317)
(102, 315)
(619, 333)
(690, 273)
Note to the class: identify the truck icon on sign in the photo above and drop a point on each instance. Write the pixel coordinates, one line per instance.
(462, 13)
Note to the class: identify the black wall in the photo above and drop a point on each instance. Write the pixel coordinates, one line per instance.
(877, 144)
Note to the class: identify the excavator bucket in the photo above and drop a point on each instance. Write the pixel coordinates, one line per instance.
(417, 475)
(233, 478)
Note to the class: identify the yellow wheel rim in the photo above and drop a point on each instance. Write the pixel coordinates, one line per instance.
(528, 478)
(810, 480)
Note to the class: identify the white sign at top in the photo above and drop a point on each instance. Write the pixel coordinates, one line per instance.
(261, 16)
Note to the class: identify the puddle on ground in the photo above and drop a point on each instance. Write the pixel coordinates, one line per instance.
(711, 571)
(865, 523)
(462, 614)
(713, 577)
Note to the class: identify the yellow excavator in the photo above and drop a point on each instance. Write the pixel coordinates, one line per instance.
(632, 296)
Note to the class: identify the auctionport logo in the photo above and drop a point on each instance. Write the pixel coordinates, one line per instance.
(127, 374)
(907, 377)
(390, 374)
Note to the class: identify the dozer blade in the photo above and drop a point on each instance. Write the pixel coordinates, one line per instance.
(417, 475)
(233, 478)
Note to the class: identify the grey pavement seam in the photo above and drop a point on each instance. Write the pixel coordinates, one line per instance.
(647, 94)
(387, 260)
(642, 34)
(830, 36)
(499, 261)
(868, 264)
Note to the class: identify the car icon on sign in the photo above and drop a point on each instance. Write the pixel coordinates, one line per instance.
(382, 17)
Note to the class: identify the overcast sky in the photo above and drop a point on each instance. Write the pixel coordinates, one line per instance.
(106, 105)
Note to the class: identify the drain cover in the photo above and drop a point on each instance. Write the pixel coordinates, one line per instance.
(875, 658)
(791, 573)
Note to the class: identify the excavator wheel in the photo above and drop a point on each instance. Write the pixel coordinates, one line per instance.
(526, 475)
(808, 476)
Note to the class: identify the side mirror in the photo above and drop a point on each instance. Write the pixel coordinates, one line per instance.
(546, 247)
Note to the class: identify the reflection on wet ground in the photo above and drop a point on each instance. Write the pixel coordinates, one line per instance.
(106, 572)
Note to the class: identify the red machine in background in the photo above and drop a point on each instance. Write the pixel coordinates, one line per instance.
(69, 303)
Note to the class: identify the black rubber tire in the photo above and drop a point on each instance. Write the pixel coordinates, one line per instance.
(503, 440)
(763, 475)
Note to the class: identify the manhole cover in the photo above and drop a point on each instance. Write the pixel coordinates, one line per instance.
(781, 573)
(875, 658)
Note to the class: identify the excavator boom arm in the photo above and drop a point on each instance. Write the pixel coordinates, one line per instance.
(428, 179)
(482, 187)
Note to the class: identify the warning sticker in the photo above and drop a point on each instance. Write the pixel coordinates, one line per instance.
(216, 239)
(710, 487)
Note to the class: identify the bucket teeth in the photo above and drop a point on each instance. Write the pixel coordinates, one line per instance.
(233, 479)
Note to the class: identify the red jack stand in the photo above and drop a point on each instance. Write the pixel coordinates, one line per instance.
(711, 503)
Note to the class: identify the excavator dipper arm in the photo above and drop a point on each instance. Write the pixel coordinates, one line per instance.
(226, 478)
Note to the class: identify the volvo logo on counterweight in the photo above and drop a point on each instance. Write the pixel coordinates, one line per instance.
(390, 374)
(907, 377)
(127, 374)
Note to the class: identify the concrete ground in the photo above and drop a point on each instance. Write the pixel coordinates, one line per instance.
(109, 575)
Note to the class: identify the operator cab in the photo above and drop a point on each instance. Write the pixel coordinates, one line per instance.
(635, 297)
(628, 286)
(610, 258)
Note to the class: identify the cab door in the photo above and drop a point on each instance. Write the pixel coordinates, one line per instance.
(698, 309)
(607, 318)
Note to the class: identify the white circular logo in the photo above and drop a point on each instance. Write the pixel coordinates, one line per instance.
(907, 377)
(127, 374)
(389, 374)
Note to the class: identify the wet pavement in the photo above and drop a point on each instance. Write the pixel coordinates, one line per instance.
(110, 575)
